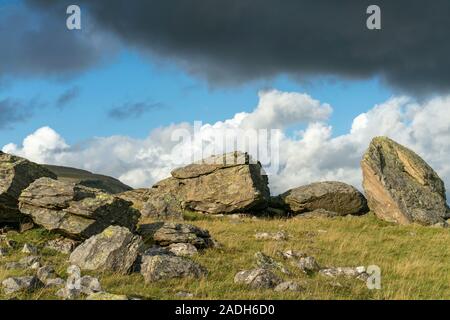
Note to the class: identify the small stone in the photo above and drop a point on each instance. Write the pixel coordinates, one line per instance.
(291, 254)
(257, 278)
(3, 252)
(183, 249)
(89, 285)
(15, 284)
(106, 296)
(266, 262)
(348, 272)
(278, 236)
(161, 267)
(184, 294)
(29, 249)
(55, 282)
(289, 286)
(62, 245)
(35, 266)
(74, 270)
(29, 261)
(307, 265)
(45, 273)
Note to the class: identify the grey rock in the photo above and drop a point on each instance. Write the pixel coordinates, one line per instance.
(307, 265)
(162, 267)
(29, 260)
(183, 249)
(16, 174)
(257, 278)
(62, 245)
(266, 262)
(277, 236)
(184, 294)
(291, 254)
(167, 233)
(348, 272)
(15, 284)
(334, 197)
(54, 282)
(115, 249)
(45, 273)
(29, 249)
(400, 186)
(90, 285)
(289, 286)
(73, 210)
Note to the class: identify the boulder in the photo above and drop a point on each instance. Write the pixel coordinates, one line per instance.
(332, 196)
(400, 186)
(183, 249)
(74, 210)
(15, 284)
(163, 267)
(115, 249)
(220, 184)
(167, 233)
(82, 177)
(257, 278)
(15, 175)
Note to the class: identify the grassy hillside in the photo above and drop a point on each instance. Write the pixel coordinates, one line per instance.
(88, 179)
(414, 260)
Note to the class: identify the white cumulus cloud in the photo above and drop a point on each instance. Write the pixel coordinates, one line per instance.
(311, 154)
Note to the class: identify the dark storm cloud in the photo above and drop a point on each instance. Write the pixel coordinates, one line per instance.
(231, 41)
(11, 112)
(132, 110)
(35, 41)
(67, 96)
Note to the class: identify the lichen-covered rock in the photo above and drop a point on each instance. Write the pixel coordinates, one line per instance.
(400, 186)
(15, 175)
(347, 272)
(162, 267)
(15, 284)
(257, 278)
(61, 245)
(167, 233)
(74, 210)
(115, 249)
(183, 249)
(307, 265)
(289, 286)
(220, 184)
(332, 196)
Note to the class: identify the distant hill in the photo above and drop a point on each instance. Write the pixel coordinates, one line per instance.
(88, 179)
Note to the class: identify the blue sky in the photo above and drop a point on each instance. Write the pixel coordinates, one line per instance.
(180, 97)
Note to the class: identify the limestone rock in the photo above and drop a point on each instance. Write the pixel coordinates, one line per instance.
(15, 284)
(221, 184)
(332, 196)
(257, 278)
(54, 282)
(16, 174)
(29, 249)
(61, 245)
(289, 286)
(348, 272)
(277, 236)
(74, 210)
(167, 233)
(265, 262)
(183, 249)
(400, 186)
(45, 273)
(162, 267)
(307, 265)
(115, 249)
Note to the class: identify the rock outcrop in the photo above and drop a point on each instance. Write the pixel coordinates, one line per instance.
(74, 210)
(115, 250)
(88, 179)
(167, 233)
(400, 186)
(15, 175)
(336, 198)
(219, 184)
(163, 267)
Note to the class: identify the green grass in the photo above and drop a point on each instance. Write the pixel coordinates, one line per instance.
(414, 260)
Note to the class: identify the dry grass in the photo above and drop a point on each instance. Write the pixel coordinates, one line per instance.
(414, 260)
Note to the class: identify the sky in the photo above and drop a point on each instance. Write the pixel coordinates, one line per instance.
(108, 97)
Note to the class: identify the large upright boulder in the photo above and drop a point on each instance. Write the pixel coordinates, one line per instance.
(400, 186)
(336, 198)
(220, 184)
(74, 210)
(15, 175)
